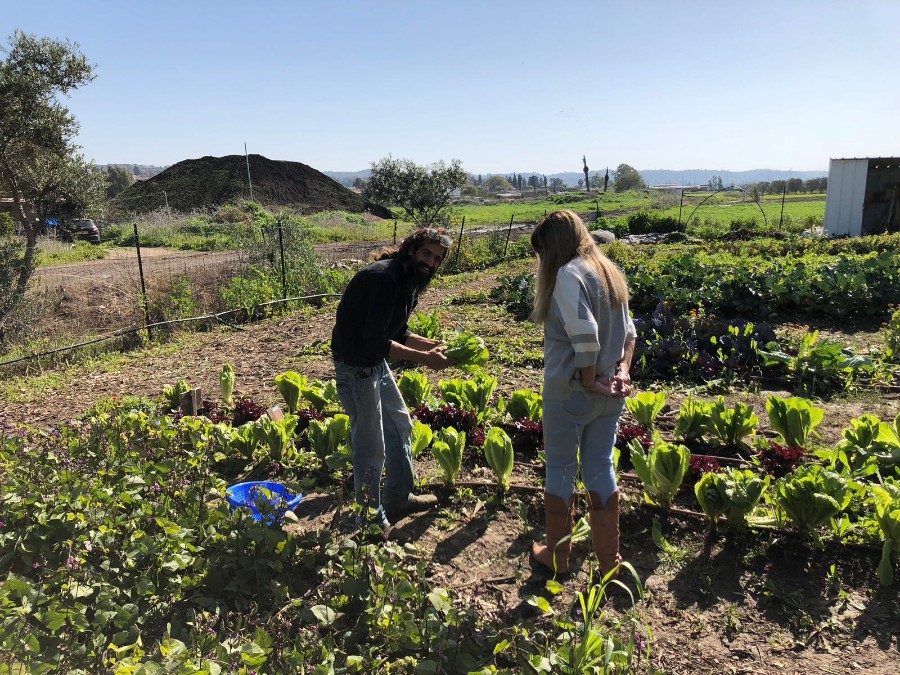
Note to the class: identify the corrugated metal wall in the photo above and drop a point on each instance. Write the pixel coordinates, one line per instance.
(845, 197)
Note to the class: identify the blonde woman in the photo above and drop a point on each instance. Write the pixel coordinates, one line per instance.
(582, 301)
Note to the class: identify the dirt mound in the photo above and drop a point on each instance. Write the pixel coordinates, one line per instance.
(209, 182)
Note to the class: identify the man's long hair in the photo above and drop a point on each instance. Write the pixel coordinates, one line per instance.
(559, 238)
(408, 246)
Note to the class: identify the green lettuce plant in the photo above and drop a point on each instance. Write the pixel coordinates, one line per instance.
(172, 393)
(733, 493)
(524, 404)
(276, 435)
(694, 420)
(886, 500)
(868, 444)
(414, 387)
(426, 325)
(811, 496)
(322, 395)
(289, 384)
(793, 419)
(226, 384)
(330, 440)
(498, 450)
(472, 394)
(661, 469)
(447, 447)
(711, 492)
(731, 425)
(421, 437)
(467, 349)
(646, 406)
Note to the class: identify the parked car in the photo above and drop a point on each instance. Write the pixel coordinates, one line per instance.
(81, 230)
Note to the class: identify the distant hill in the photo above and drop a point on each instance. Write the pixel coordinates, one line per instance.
(695, 176)
(650, 176)
(209, 182)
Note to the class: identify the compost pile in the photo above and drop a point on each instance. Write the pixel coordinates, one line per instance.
(209, 182)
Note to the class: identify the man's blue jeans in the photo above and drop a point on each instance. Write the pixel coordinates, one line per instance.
(380, 429)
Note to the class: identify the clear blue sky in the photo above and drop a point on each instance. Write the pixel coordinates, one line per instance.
(502, 86)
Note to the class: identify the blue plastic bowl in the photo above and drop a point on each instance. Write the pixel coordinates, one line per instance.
(249, 495)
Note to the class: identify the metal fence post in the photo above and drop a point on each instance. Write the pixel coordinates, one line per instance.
(395, 233)
(137, 247)
(284, 289)
(508, 231)
(462, 226)
(783, 193)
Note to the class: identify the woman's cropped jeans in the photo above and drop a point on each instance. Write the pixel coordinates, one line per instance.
(581, 429)
(380, 429)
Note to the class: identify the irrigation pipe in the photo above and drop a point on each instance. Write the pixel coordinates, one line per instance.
(134, 329)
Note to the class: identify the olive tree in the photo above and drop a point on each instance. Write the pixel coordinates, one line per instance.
(628, 178)
(423, 192)
(40, 167)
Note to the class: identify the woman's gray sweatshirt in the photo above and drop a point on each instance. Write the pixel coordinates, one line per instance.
(581, 328)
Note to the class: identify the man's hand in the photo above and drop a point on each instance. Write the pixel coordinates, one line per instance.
(436, 360)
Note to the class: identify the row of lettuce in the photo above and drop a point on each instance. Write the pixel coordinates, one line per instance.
(783, 478)
(121, 555)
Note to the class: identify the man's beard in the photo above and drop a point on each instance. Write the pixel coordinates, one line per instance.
(421, 274)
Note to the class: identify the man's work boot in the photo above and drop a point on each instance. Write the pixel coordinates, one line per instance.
(554, 555)
(413, 504)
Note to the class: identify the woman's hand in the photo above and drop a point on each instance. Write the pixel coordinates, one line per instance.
(615, 387)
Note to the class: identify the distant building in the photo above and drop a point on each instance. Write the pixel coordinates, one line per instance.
(863, 196)
(672, 187)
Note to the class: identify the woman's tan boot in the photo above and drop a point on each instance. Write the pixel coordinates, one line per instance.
(558, 518)
(605, 531)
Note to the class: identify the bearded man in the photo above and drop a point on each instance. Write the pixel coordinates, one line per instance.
(372, 327)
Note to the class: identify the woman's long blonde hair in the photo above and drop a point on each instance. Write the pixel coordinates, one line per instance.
(557, 239)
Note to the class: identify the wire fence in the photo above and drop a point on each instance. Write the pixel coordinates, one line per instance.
(142, 288)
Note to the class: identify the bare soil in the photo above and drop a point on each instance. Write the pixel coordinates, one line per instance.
(761, 602)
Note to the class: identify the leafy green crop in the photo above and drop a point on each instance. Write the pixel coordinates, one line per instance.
(525, 404)
(793, 418)
(330, 440)
(472, 394)
(732, 425)
(811, 495)
(447, 448)
(226, 384)
(289, 384)
(661, 469)
(694, 419)
(645, 407)
(421, 438)
(467, 349)
(414, 387)
(498, 450)
(887, 513)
